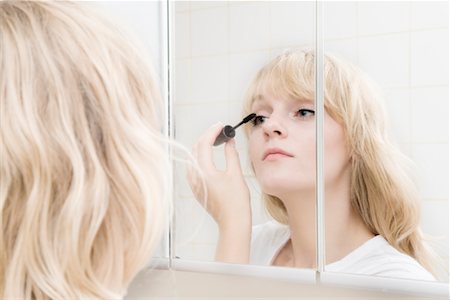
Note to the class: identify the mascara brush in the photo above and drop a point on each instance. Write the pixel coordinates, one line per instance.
(228, 132)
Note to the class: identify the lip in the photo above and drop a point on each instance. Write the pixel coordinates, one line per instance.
(277, 151)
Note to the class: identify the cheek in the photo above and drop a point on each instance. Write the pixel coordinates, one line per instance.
(335, 149)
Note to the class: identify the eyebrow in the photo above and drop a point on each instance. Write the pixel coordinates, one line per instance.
(258, 98)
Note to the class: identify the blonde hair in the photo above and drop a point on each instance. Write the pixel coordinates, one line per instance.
(382, 192)
(83, 161)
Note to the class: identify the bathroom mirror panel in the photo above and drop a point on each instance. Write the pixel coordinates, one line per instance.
(215, 60)
(218, 49)
(405, 54)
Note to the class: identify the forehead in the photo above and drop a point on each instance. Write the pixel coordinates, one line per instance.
(268, 99)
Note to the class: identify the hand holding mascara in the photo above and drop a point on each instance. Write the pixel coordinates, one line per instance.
(228, 132)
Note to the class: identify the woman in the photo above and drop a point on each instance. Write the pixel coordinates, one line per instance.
(83, 195)
(371, 211)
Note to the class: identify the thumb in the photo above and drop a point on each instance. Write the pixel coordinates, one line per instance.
(232, 157)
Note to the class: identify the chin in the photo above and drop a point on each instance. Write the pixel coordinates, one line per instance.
(276, 186)
(279, 185)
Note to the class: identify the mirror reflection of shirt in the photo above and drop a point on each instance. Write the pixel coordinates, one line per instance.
(376, 257)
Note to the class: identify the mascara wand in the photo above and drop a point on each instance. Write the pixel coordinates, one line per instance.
(228, 132)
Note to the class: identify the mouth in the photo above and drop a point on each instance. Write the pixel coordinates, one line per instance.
(274, 153)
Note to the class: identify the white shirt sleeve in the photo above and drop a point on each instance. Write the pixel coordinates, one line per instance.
(267, 239)
(377, 257)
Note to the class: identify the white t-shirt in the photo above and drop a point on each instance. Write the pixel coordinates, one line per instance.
(375, 257)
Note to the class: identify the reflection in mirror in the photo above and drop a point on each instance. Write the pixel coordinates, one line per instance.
(219, 48)
(374, 227)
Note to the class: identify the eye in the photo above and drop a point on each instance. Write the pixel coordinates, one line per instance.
(304, 113)
(258, 120)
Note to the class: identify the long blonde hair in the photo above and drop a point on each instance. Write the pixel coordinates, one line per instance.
(382, 192)
(83, 161)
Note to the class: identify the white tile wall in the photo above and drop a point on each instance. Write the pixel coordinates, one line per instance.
(183, 215)
(207, 228)
(378, 17)
(340, 20)
(249, 25)
(402, 45)
(181, 6)
(429, 115)
(436, 233)
(198, 5)
(429, 57)
(182, 188)
(209, 78)
(346, 49)
(399, 113)
(182, 36)
(209, 31)
(292, 23)
(191, 121)
(427, 14)
(385, 58)
(432, 160)
(182, 81)
(243, 67)
(432, 210)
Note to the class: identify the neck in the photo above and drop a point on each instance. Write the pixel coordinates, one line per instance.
(344, 228)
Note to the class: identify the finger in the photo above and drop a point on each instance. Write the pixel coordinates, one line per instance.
(232, 157)
(205, 147)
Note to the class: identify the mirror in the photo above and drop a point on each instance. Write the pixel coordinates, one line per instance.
(218, 49)
(406, 53)
(220, 46)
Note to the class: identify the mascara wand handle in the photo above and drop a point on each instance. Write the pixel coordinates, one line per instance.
(226, 134)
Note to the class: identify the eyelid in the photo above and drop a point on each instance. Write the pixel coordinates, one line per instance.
(258, 119)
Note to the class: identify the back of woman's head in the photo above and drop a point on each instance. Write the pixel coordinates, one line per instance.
(382, 190)
(82, 160)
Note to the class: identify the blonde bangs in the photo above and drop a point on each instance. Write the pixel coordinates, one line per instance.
(286, 76)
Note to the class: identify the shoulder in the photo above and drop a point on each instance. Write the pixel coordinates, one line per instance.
(267, 238)
(377, 257)
(269, 232)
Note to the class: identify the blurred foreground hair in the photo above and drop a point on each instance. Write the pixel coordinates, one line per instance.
(83, 187)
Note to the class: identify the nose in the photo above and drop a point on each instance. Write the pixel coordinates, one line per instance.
(273, 127)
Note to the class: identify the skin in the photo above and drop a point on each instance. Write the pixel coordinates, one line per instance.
(288, 125)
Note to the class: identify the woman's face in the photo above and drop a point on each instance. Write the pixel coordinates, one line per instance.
(282, 146)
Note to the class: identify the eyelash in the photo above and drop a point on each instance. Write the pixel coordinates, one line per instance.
(260, 119)
(305, 110)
